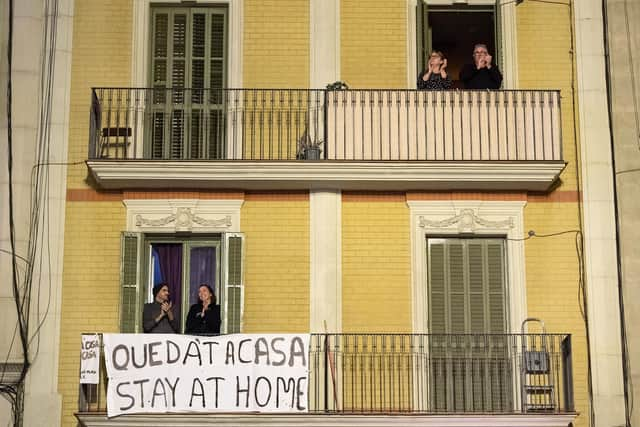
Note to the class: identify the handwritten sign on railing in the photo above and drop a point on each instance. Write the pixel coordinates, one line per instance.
(90, 359)
(232, 373)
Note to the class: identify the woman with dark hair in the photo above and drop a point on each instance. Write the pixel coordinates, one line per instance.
(204, 316)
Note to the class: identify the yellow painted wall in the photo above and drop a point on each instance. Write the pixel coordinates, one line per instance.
(373, 51)
(101, 58)
(545, 62)
(553, 284)
(276, 43)
(376, 266)
(276, 266)
(91, 287)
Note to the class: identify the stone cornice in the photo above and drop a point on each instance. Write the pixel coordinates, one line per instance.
(297, 175)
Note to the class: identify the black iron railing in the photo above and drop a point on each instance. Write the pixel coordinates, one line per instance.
(427, 373)
(289, 124)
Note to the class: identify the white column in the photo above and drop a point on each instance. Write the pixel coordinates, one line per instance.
(325, 231)
(42, 404)
(598, 217)
(324, 42)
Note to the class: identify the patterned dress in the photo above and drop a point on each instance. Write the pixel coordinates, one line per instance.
(435, 82)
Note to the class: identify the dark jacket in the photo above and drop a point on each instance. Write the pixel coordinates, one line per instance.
(207, 324)
(483, 78)
(164, 326)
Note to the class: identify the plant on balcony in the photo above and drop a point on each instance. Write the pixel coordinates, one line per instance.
(308, 147)
(339, 85)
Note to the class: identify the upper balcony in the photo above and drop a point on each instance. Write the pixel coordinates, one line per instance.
(375, 139)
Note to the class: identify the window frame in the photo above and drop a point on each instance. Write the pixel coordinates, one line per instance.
(468, 218)
(484, 240)
(187, 242)
(506, 31)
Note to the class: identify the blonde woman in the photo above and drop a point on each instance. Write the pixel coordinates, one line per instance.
(435, 76)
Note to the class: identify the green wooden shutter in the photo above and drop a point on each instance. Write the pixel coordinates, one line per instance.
(233, 283)
(496, 308)
(466, 279)
(466, 286)
(130, 307)
(497, 22)
(420, 31)
(437, 288)
(188, 51)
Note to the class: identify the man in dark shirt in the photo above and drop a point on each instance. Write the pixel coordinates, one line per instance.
(482, 74)
(157, 316)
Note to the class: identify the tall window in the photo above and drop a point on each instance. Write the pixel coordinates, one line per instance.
(470, 363)
(188, 72)
(454, 30)
(466, 286)
(184, 264)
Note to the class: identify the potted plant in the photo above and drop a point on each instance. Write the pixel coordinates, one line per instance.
(309, 148)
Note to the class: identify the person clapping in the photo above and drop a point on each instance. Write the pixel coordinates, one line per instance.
(435, 76)
(483, 73)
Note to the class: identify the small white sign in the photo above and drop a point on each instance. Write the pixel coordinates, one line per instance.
(90, 359)
(154, 373)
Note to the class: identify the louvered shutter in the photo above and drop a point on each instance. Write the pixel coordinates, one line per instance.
(437, 289)
(466, 286)
(188, 51)
(130, 307)
(233, 304)
(497, 24)
(466, 279)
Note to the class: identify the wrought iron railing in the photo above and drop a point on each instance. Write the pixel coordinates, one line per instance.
(427, 373)
(359, 125)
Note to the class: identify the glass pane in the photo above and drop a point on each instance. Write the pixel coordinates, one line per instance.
(202, 269)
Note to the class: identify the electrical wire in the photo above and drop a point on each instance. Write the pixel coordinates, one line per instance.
(38, 254)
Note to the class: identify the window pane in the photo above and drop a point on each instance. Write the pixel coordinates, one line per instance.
(202, 269)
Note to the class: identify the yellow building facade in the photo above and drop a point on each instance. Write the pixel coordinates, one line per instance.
(324, 249)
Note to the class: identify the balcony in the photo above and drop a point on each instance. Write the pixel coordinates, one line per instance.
(406, 379)
(348, 139)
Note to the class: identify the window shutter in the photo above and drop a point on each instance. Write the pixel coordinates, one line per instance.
(130, 310)
(497, 16)
(496, 308)
(437, 288)
(233, 283)
(457, 309)
(477, 306)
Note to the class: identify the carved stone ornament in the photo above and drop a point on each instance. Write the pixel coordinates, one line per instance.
(467, 222)
(184, 220)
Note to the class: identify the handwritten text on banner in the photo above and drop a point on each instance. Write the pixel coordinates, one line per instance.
(228, 373)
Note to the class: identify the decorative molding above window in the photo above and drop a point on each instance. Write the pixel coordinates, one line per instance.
(195, 216)
(466, 222)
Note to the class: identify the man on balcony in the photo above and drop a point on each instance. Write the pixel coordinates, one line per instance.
(157, 316)
(482, 74)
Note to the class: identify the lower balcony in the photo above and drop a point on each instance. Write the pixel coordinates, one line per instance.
(348, 139)
(403, 379)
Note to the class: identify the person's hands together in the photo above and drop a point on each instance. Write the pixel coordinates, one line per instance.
(487, 61)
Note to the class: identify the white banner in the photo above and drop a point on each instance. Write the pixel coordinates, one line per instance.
(90, 359)
(228, 373)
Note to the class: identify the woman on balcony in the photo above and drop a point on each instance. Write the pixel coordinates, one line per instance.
(435, 76)
(204, 316)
